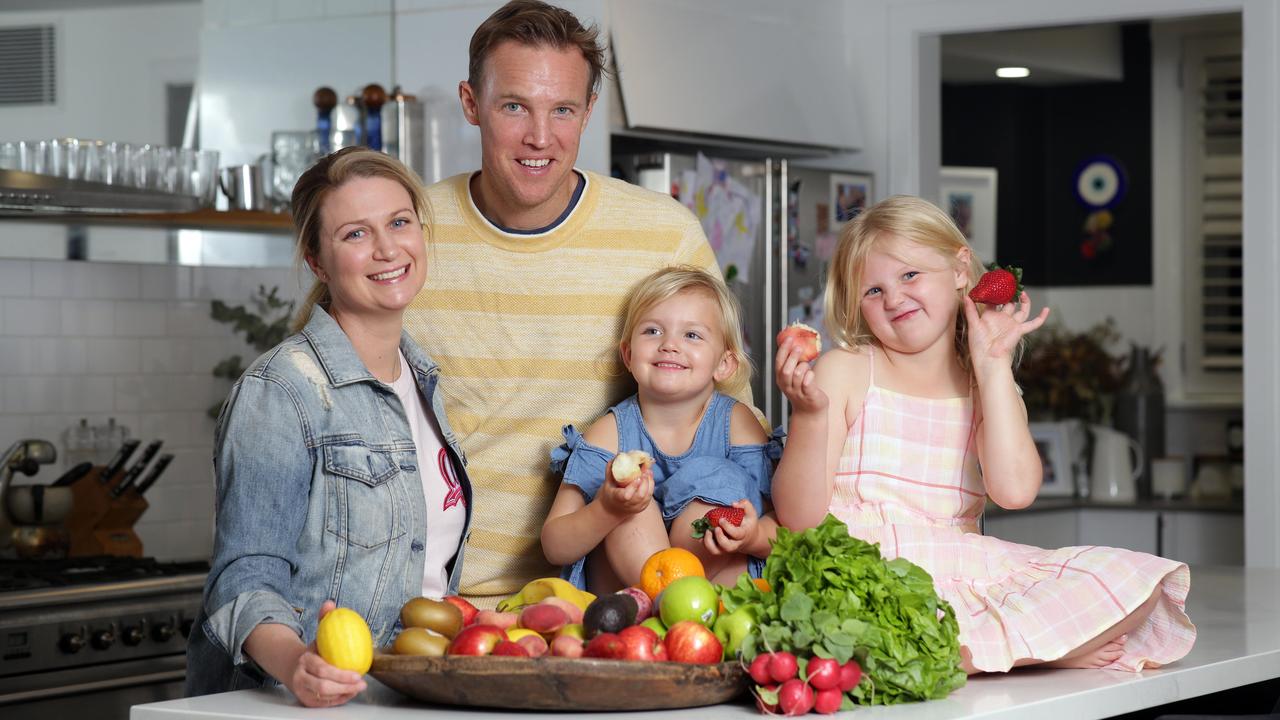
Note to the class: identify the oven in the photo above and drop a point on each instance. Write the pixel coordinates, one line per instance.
(91, 637)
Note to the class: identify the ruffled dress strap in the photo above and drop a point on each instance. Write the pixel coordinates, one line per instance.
(580, 463)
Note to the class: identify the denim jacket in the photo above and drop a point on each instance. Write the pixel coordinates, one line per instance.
(318, 498)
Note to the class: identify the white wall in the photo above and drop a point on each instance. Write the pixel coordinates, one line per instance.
(134, 343)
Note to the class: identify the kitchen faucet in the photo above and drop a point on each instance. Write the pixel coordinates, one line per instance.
(26, 457)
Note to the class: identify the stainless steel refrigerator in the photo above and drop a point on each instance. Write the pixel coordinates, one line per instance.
(775, 259)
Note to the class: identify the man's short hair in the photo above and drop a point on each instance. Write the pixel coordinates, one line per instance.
(535, 23)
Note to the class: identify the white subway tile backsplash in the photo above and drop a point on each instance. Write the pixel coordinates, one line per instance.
(288, 10)
(15, 358)
(115, 281)
(340, 8)
(61, 279)
(13, 427)
(113, 356)
(166, 282)
(165, 355)
(171, 426)
(142, 393)
(32, 317)
(57, 356)
(190, 318)
(88, 318)
(15, 278)
(141, 318)
(194, 392)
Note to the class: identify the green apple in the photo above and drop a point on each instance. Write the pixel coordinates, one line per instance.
(655, 625)
(733, 628)
(689, 598)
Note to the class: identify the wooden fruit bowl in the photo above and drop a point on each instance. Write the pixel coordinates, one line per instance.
(554, 683)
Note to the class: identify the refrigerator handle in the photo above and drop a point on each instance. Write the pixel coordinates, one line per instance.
(766, 402)
(784, 254)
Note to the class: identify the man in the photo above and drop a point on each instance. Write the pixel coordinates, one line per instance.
(531, 261)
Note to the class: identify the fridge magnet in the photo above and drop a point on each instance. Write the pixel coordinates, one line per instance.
(1100, 185)
(850, 195)
(800, 254)
(968, 195)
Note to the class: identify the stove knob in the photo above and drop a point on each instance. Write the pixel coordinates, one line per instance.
(186, 627)
(103, 639)
(162, 632)
(132, 635)
(71, 643)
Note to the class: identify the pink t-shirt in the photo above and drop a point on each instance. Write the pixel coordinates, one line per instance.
(446, 508)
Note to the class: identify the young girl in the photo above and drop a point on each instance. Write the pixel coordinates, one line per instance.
(890, 429)
(682, 343)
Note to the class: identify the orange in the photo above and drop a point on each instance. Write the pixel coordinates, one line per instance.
(665, 567)
(762, 584)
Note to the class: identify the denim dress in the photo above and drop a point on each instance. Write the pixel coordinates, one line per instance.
(319, 497)
(711, 470)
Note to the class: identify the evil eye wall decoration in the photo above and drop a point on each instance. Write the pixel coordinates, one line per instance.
(1100, 182)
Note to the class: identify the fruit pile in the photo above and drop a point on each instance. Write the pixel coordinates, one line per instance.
(789, 686)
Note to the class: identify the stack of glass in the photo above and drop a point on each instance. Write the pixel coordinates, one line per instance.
(178, 171)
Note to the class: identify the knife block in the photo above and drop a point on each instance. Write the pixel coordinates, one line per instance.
(100, 524)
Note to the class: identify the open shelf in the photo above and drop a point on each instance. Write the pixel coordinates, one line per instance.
(206, 219)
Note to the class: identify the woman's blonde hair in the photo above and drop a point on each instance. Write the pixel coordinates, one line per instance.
(328, 174)
(671, 281)
(902, 217)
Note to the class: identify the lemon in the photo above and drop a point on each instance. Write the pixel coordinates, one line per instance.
(344, 641)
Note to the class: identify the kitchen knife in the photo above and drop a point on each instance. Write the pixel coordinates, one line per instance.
(117, 462)
(132, 474)
(161, 463)
(73, 475)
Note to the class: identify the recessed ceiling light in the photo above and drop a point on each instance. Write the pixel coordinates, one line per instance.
(1012, 72)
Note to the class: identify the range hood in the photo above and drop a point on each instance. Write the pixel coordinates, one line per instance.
(28, 194)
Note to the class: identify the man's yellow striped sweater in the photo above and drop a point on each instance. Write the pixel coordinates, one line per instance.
(525, 328)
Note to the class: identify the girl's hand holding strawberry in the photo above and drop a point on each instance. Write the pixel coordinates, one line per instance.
(726, 537)
(995, 333)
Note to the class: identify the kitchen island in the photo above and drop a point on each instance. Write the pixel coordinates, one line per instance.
(1235, 610)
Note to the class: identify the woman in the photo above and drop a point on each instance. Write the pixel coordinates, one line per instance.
(338, 478)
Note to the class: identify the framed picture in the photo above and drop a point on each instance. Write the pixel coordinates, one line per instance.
(850, 195)
(1054, 443)
(968, 195)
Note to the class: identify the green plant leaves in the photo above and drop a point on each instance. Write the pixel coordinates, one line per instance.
(834, 596)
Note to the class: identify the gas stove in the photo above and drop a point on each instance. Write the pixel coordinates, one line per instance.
(97, 629)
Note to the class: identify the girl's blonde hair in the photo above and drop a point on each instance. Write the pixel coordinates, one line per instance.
(328, 174)
(671, 281)
(902, 217)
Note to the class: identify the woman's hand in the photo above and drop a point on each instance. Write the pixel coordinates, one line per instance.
(995, 332)
(316, 683)
(727, 538)
(629, 499)
(795, 379)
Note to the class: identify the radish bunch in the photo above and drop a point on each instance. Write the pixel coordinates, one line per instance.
(784, 687)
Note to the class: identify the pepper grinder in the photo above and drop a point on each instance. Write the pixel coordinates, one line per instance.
(374, 97)
(325, 99)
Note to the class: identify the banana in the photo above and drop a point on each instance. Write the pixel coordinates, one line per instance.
(542, 588)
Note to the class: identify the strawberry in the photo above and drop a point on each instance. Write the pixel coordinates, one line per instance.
(805, 337)
(998, 286)
(713, 517)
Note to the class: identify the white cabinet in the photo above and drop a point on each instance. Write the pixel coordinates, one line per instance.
(1129, 529)
(1048, 529)
(1203, 538)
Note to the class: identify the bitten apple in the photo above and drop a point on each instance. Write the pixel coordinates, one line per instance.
(692, 642)
(628, 466)
(805, 338)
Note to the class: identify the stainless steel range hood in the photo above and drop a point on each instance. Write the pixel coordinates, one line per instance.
(28, 194)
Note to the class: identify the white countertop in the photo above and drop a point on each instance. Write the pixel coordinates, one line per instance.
(1235, 610)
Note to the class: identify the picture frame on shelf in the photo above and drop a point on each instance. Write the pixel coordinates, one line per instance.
(851, 193)
(968, 195)
(1054, 443)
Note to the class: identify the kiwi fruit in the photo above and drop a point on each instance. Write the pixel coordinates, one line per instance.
(420, 641)
(435, 615)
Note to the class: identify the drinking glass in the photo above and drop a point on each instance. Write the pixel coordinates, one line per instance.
(292, 152)
(92, 156)
(140, 166)
(204, 176)
(10, 158)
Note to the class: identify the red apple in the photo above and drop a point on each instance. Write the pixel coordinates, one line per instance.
(476, 640)
(641, 643)
(692, 642)
(606, 645)
(823, 673)
(468, 610)
(506, 647)
(805, 338)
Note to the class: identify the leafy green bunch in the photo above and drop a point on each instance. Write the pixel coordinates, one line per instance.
(834, 596)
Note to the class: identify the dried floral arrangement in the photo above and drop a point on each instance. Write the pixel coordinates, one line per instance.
(1065, 374)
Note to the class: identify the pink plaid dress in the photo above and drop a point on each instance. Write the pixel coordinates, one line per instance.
(908, 479)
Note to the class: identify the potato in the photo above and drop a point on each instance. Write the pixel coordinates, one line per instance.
(435, 615)
(420, 641)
